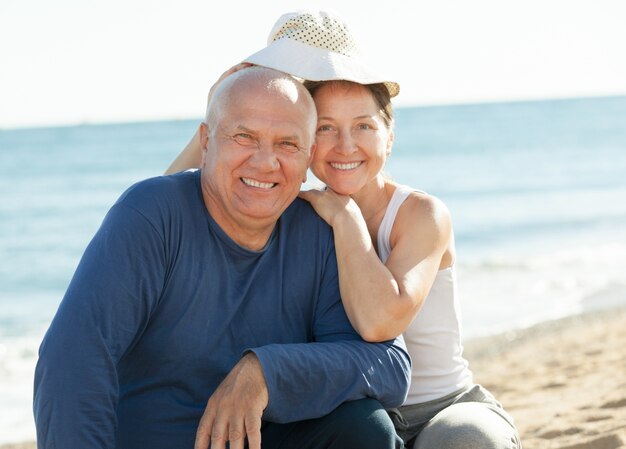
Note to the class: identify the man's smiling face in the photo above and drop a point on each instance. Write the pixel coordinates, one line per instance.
(258, 145)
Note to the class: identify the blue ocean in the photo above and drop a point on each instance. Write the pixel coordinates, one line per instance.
(537, 192)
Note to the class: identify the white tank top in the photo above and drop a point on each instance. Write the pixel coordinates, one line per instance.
(434, 338)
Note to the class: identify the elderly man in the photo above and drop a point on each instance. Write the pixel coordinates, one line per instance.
(217, 285)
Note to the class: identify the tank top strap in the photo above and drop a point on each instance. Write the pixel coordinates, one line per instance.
(384, 231)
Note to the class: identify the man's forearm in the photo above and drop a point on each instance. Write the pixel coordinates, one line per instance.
(321, 376)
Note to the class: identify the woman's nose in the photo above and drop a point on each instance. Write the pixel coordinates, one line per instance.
(346, 143)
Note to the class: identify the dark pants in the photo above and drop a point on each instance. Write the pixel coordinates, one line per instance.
(358, 424)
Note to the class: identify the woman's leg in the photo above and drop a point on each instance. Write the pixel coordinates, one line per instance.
(469, 425)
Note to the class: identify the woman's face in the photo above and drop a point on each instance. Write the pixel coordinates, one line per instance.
(353, 141)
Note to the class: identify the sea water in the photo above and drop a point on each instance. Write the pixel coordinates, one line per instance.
(537, 192)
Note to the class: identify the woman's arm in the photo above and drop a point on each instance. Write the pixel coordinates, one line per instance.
(191, 156)
(383, 299)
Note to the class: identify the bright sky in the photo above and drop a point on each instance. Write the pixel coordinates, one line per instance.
(75, 61)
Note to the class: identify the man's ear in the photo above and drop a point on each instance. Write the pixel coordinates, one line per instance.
(204, 135)
(308, 162)
(311, 154)
(203, 132)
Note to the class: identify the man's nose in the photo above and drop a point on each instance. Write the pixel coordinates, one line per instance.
(265, 158)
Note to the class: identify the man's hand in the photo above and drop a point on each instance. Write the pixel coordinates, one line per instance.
(234, 410)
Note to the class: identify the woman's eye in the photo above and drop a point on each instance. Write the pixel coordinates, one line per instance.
(324, 128)
(363, 126)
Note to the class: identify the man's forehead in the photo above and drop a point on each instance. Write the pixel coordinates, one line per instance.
(263, 125)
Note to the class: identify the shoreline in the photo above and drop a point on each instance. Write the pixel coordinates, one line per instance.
(561, 380)
(492, 345)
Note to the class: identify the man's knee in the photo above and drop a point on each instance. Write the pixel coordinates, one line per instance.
(467, 426)
(363, 424)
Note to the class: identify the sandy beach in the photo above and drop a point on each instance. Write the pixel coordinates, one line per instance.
(563, 381)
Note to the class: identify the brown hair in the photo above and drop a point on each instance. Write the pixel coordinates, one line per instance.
(379, 93)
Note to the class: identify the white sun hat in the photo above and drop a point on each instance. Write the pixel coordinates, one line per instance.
(317, 46)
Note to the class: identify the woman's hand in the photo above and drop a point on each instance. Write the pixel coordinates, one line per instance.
(330, 205)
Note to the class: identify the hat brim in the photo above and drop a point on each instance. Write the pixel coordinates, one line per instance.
(317, 64)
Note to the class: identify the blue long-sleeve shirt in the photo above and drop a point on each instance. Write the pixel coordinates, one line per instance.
(163, 304)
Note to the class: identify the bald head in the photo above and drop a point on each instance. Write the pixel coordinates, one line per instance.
(259, 81)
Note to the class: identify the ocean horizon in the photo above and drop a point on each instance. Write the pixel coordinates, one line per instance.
(536, 189)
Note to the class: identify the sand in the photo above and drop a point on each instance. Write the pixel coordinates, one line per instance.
(563, 381)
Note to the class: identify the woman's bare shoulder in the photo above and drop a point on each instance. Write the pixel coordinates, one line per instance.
(421, 208)
(423, 227)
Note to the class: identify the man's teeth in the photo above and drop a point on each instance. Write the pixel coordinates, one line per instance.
(349, 166)
(261, 185)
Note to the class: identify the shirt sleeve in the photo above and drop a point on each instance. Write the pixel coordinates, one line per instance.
(104, 311)
(309, 380)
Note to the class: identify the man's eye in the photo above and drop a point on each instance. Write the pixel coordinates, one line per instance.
(289, 146)
(243, 139)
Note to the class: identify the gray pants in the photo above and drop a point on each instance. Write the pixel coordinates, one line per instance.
(470, 418)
